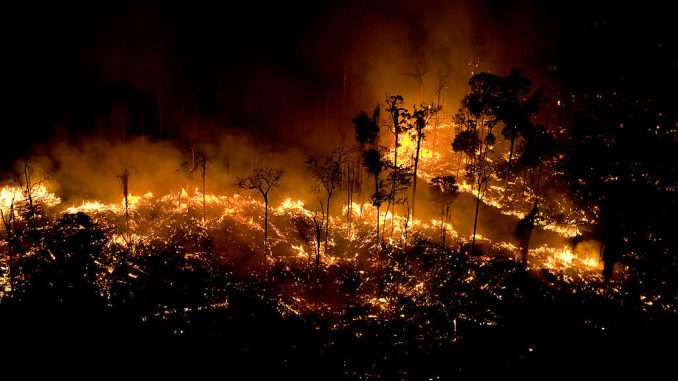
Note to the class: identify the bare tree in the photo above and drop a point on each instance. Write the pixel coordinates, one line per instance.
(318, 224)
(197, 163)
(444, 191)
(29, 186)
(262, 180)
(351, 183)
(418, 74)
(200, 166)
(327, 175)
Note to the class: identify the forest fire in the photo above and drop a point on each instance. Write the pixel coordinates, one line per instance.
(246, 210)
(343, 190)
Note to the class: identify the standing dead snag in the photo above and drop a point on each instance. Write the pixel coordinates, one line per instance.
(29, 188)
(327, 174)
(200, 165)
(351, 184)
(197, 163)
(318, 239)
(124, 183)
(262, 180)
(444, 191)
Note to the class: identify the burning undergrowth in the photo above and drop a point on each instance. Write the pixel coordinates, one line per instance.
(354, 273)
(201, 273)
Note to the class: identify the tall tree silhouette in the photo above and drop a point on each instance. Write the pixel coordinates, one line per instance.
(422, 116)
(373, 161)
(400, 124)
(400, 121)
(262, 180)
(123, 177)
(327, 175)
(478, 117)
(516, 107)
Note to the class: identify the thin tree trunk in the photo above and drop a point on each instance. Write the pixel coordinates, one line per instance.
(416, 167)
(475, 221)
(317, 260)
(308, 266)
(265, 225)
(204, 169)
(510, 160)
(378, 211)
(376, 190)
(395, 153)
(349, 198)
(327, 221)
(513, 141)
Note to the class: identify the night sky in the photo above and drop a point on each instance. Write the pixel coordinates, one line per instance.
(270, 68)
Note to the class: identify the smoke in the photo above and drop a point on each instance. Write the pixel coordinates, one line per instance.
(290, 81)
(151, 84)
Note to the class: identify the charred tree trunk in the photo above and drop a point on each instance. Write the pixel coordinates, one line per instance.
(443, 224)
(378, 212)
(510, 159)
(28, 191)
(327, 221)
(265, 225)
(349, 198)
(203, 170)
(318, 242)
(317, 257)
(376, 190)
(416, 167)
(475, 221)
(124, 182)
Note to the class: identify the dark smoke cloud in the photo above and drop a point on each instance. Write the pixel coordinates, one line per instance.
(291, 74)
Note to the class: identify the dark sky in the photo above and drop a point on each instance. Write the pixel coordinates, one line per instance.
(289, 68)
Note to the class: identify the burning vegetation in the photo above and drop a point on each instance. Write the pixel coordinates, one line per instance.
(420, 239)
(356, 254)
